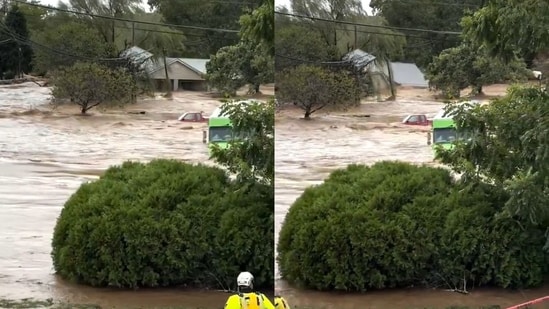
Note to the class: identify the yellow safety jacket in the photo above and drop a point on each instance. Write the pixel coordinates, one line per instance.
(253, 300)
(280, 303)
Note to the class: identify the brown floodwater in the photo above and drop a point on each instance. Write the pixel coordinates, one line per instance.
(307, 151)
(45, 155)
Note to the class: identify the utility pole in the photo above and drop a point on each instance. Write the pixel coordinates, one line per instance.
(356, 38)
(133, 33)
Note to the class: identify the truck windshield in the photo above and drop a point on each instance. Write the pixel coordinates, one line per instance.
(446, 135)
(220, 134)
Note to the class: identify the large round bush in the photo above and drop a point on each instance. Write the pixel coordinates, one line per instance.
(395, 225)
(165, 223)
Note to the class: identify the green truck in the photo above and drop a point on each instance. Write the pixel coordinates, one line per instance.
(220, 130)
(444, 131)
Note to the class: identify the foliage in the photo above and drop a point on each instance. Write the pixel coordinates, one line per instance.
(338, 38)
(212, 14)
(165, 223)
(90, 84)
(235, 66)
(395, 225)
(73, 42)
(508, 146)
(313, 88)
(15, 51)
(251, 158)
(36, 16)
(510, 27)
(258, 26)
(460, 67)
(105, 27)
(421, 47)
(339, 10)
(383, 43)
(296, 43)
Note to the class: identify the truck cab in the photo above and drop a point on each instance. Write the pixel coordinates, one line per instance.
(193, 117)
(417, 120)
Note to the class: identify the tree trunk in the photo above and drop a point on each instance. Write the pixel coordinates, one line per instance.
(84, 109)
(168, 82)
(256, 88)
(479, 89)
(307, 115)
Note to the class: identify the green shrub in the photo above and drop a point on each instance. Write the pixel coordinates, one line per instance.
(395, 225)
(165, 223)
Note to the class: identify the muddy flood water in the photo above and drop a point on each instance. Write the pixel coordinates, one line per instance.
(307, 151)
(45, 155)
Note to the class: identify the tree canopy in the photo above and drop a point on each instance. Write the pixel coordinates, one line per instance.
(15, 52)
(459, 67)
(508, 147)
(165, 224)
(252, 157)
(396, 225)
(510, 28)
(312, 88)
(422, 46)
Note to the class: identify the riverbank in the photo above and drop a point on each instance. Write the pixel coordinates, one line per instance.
(49, 304)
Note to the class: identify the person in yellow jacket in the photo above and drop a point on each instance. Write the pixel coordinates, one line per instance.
(246, 297)
(280, 303)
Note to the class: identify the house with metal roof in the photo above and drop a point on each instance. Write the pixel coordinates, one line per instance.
(402, 74)
(183, 73)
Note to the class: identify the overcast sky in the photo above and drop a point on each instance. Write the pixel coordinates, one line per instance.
(365, 4)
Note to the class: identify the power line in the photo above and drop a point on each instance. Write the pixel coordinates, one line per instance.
(127, 20)
(153, 30)
(16, 37)
(441, 3)
(310, 61)
(367, 25)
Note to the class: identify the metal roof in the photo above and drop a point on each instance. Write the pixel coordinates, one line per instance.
(408, 74)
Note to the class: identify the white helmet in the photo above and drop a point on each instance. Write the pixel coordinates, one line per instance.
(245, 279)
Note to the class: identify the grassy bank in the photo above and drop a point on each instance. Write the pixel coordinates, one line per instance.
(50, 304)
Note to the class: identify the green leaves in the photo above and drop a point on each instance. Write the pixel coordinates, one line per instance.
(509, 28)
(467, 65)
(312, 88)
(509, 148)
(395, 224)
(89, 84)
(165, 223)
(232, 67)
(250, 158)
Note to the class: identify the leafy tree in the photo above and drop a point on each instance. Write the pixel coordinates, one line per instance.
(211, 14)
(36, 16)
(251, 158)
(337, 10)
(110, 8)
(511, 27)
(421, 47)
(460, 67)
(296, 43)
(90, 84)
(68, 43)
(258, 26)
(165, 223)
(508, 147)
(396, 224)
(313, 88)
(235, 66)
(15, 51)
(385, 44)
